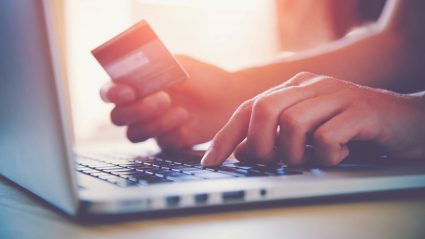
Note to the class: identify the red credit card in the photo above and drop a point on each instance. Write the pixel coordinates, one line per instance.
(138, 57)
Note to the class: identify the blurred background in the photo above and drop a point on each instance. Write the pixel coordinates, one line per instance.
(211, 30)
(232, 34)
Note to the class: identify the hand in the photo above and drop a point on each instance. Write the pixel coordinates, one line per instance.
(277, 124)
(183, 115)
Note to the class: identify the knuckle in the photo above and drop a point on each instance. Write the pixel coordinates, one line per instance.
(304, 74)
(290, 120)
(263, 108)
(327, 81)
(245, 107)
(300, 78)
(324, 137)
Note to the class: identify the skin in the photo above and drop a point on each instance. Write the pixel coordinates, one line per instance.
(276, 124)
(210, 95)
(386, 55)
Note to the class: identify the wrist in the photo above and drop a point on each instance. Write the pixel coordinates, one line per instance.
(252, 81)
(244, 83)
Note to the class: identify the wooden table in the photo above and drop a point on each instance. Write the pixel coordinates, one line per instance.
(394, 215)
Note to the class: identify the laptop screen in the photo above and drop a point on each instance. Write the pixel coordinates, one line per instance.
(33, 146)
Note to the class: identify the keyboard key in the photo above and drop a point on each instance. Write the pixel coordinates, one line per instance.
(129, 164)
(159, 180)
(124, 173)
(143, 178)
(109, 168)
(143, 167)
(144, 159)
(137, 170)
(174, 174)
(159, 172)
(186, 169)
(162, 164)
(98, 174)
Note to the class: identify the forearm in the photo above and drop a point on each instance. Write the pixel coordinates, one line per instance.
(375, 59)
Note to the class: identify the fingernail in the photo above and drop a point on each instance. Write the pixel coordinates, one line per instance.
(209, 157)
(126, 94)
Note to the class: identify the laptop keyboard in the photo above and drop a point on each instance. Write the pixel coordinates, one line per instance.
(140, 171)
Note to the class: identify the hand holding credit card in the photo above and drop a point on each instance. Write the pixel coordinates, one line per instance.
(137, 57)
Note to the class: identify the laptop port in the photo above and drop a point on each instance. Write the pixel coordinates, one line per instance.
(233, 196)
(201, 198)
(173, 201)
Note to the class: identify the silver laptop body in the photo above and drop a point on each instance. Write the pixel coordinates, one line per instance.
(36, 145)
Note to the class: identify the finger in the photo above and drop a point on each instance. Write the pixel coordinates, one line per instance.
(229, 136)
(143, 110)
(241, 153)
(173, 119)
(267, 108)
(297, 121)
(298, 79)
(175, 139)
(330, 139)
(117, 93)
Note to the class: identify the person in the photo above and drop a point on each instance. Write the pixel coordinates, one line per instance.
(387, 55)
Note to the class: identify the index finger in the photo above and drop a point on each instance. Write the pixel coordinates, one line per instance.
(228, 137)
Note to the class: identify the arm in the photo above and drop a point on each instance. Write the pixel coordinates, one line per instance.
(386, 55)
(326, 113)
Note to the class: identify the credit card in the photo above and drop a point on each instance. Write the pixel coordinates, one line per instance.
(139, 58)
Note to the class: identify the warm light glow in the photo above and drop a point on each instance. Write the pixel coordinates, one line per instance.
(232, 34)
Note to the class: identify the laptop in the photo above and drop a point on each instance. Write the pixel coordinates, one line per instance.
(38, 152)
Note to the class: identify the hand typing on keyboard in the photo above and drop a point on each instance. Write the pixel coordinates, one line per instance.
(332, 112)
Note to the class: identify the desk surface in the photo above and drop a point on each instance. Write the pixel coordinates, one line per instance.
(386, 216)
